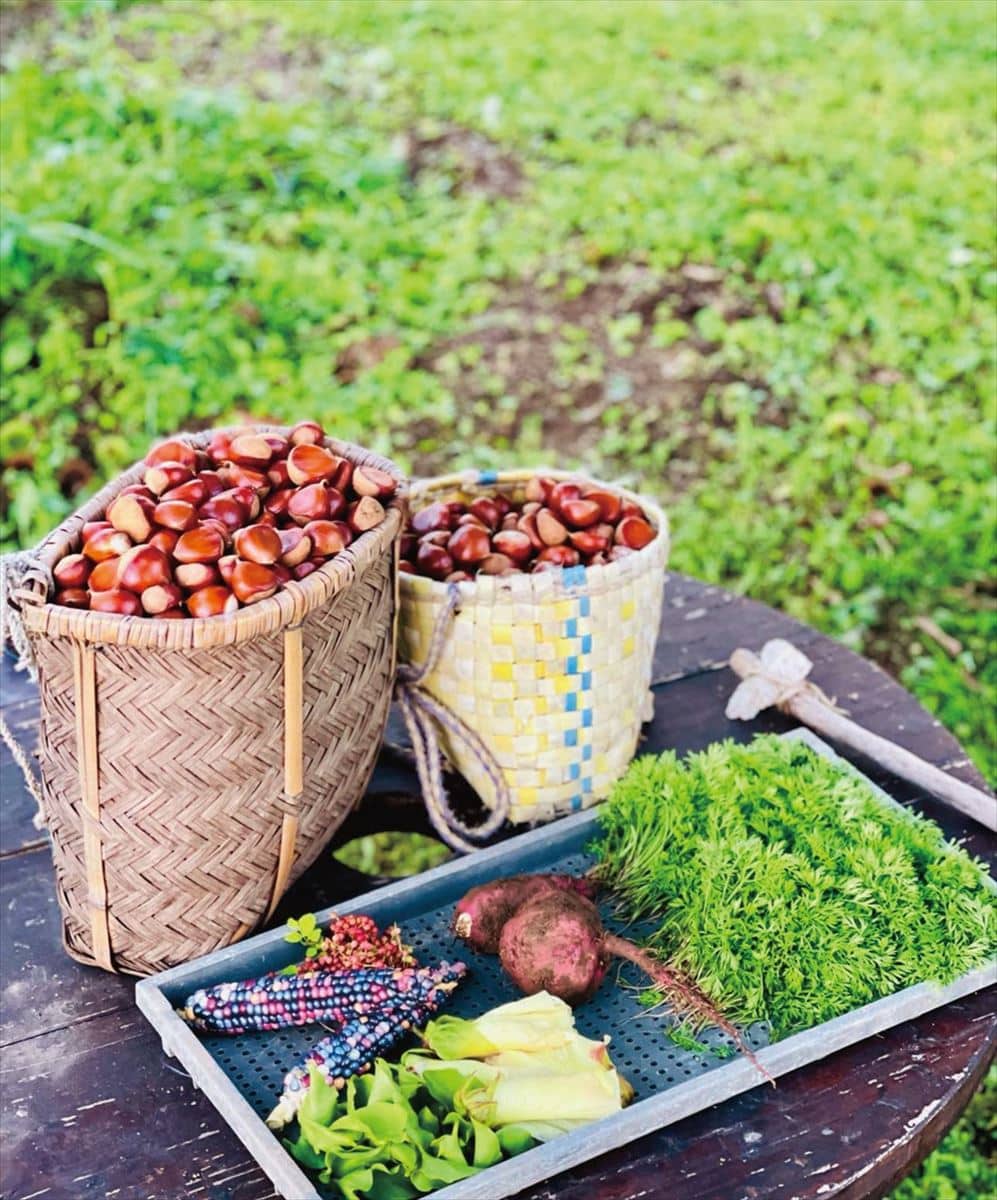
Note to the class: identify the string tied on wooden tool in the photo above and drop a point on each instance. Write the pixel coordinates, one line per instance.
(423, 712)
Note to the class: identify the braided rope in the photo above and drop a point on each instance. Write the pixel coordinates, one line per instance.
(31, 778)
(24, 579)
(422, 712)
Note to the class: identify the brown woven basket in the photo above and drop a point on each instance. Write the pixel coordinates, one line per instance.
(191, 770)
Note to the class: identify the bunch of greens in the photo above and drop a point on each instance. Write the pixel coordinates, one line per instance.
(391, 1135)
(785, 887)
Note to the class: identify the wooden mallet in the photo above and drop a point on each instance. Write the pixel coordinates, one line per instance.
(778, 676)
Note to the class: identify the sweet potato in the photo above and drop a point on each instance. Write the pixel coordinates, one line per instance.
(484, 910)
(554, 943)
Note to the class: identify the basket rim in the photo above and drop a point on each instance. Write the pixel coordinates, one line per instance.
(524, 586)
(287, 607)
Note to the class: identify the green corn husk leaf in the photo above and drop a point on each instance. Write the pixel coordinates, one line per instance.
(521, 1097)
(533, 1023)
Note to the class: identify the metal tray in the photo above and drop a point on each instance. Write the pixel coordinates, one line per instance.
(242, 1076)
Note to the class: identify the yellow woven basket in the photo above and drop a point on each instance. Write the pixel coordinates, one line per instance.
(535, 685)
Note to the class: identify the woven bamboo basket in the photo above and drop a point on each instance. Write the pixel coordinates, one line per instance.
(191, 770)
(534, 685)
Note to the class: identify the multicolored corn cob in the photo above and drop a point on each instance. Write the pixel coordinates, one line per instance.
(355, 941)
(278, 1001)
(354, 1048)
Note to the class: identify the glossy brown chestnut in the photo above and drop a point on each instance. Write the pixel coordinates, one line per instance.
(194, 576)
(211, 602)
(514, 544)
(433, 561)
(219, 447)
(143, 567)
(372, 481)
(469, 544)
(560, 556)
(309, 503)
(137, 489)
(589, 541)
(226, 565)
(552, 532)
(92, 528)
(172, 452)
(235, 476)
(539, 489)
(73, 571)
(104, 576)
(276, 502)
(527, 524)
(178, 515)
(365, 513)
(579, 514)
(166, 476)
(326, 538)
(250, 450)
(308, 567)
(342, 478)
(117, 600)
(311, 464)
(634, 533)
(225, 509)
(487, 511)
(279, 445)
(133, 515)
(252, 582)
(160, 597)
(610, 504)
(307, 433)
(405, 567)
(212, 482)
(199, 545)
(281, 573)
(295, 546)
(72, 598)
(257, 544)
(495, 564)
(277, 474)
(194, 492)
(171, 614)
(106, 543)
(434, 516)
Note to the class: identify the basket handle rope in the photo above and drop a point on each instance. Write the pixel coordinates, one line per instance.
(422, 712)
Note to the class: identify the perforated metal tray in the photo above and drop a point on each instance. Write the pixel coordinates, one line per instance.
(243, 1075)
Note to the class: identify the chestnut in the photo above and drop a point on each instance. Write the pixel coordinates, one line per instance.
(279, 445)
(257, 543)
(469, 544)
(106, 543)
(435, 537)
(365, 513)
(559, 556)
(160, 597)
(342, 477)
(226, 565)
(143, 567)
(72, 598)
(579, 513)
(194, 576)
(178, 515)
(235, 476)
(407, 545)
(137, 489)
(172, 451)
(470, 519)
(199, 545)
(514, 545)
(220, 447)
(310, 464)
(405, 567)
(133, 515)
(117, 600)
(372, 481)
(166, 476)
(307, 433)
(281, 573)
(309, 503)
(226, 509)
(295, 545)
(589, 541)
(277, 475)
(634, 533)
(434, 561)
(211, 602)
(539, 488)
(549, 528)
(165, 540)
(212, 482)
(252, 582)
(434, 516)
(104, 576)
(610, 505)
(527, 524)
(250, 450)
(326, 538)
(171, 614)
(276, 502)
(92, 528)
(73, 571)
(194, 492)
(223, 530)
(562, 492)
(495, 564)
(487, 511)
(309, 567)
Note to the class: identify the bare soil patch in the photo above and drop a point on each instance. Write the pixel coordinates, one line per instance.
(473, 161)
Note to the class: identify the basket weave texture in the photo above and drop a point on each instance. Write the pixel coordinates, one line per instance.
(227, 750)
(551, 671)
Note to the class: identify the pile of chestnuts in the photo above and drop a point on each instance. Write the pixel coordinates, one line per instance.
(558, 524)
(208, 531)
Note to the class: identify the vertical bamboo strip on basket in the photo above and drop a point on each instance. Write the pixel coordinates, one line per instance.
(293, 760)
(85, 680)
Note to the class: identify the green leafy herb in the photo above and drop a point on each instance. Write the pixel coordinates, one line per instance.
(306, 931)
(785, 887)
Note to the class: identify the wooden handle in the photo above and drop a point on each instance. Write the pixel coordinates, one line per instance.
(962, 796)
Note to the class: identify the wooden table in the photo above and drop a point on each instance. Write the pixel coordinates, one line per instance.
(91, 1108)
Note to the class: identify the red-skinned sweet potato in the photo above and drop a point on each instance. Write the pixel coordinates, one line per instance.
(554, 943)
(483, 911)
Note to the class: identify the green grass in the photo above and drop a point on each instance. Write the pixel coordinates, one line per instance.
(738, 254)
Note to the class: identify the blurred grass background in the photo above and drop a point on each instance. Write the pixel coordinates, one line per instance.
(739, 255)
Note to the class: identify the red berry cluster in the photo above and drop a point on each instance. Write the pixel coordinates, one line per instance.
(355, 941)
(208, 531)
(558, 524)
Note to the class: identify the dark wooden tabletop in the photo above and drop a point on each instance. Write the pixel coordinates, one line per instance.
(92, 1108)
